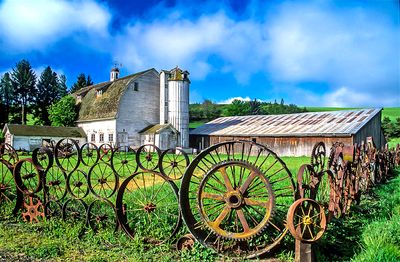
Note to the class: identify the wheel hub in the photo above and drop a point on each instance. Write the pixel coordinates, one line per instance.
(102, 180)
(234, 199)
(148, 157)
(54, 183)
(307, 220)
(150, 207)
(78, 184)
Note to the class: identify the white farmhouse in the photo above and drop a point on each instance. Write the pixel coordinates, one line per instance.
(146, 107)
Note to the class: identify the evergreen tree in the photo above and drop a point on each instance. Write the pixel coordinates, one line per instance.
(89, 81)
(81, 82)
(47, 93)
(6, 98)
(23, 80)
(62, 86)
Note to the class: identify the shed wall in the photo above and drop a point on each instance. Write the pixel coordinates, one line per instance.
(372, 128)
(283, 146)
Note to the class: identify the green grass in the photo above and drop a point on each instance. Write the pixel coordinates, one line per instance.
(196, 124)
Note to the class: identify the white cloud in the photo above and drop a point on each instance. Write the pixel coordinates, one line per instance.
(230, 100)
(33, 25)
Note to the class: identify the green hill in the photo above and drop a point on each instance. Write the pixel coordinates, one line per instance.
(391, 112)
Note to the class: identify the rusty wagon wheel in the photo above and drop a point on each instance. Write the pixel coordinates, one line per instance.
(55, 183)
(32, 210)
(147, 206)
(306, 220)
(318, 156)
(173, 163)
(43, 158)
(89, 154)
(8, 153)
(123, 161)
(101, 215)
(238, 187)
(53, 209)
(103, 181)
(147, 157)
(28, 178)
(105, 151)
(77, 184)
(8, 190)
(74, 210)
(307, 182)
(67, 154)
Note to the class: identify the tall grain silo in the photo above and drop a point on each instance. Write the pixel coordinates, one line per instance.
(174, 102)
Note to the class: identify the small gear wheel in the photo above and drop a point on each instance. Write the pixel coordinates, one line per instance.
(32, 209)
(236, 200)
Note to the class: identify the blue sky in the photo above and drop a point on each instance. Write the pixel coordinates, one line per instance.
(312, 53)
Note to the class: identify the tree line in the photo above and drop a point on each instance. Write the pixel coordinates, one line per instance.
(22, 93)
(391, 129)
(208, 110)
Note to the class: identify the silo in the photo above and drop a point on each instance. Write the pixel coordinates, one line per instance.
(178, 104)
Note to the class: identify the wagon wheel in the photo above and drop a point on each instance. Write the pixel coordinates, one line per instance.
(67, 154)
(28, 178)
(56, 183)
(32, 210)
(237, 210)
(77, 184)
(173, 163)
(89, 154)
(251, 170)
(74, 210)
(10, 197)
(123, 161)
(8, 153)
(306, 220)
(101, 215)
(43, 158)
(307, 182)
(103, 181)
(53, 209)
(318, 157)
(105, 151)
(147, 157)
(185, 242)
(147, 205)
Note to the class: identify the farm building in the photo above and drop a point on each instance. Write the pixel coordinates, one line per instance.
(146, 107)
(293, 134)
(23, 137)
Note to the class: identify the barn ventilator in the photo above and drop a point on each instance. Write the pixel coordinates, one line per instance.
(237, 198)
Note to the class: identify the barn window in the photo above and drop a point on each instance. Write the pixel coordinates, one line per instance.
(101, 137)
(92, 137)
(136, 86)
(110, 137)
(99, 93)
(253, 139)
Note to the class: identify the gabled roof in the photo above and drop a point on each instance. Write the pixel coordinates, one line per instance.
(156, 129)
(334, 123)
(45, 131)
(106, 106)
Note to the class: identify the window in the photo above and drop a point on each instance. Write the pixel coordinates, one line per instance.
(101, 137)
(99, 93)
(136, 86)
(92, 137)
(110, 137)
(253, 139)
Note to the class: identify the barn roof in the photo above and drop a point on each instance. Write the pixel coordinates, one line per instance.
(334, 123)
(45, 131)
(156, 129)
(105, 106)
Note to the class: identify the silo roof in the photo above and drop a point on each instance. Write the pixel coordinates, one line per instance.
(333, 123)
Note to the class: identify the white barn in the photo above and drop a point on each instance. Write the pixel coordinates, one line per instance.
(23, 137)
(146, 107)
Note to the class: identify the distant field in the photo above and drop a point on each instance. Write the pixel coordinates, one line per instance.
(196, 124)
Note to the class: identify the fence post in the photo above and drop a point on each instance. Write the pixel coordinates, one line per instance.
(303, 252)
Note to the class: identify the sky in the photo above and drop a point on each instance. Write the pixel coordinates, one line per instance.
(310, 53)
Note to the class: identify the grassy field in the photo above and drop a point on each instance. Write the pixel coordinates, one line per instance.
(73, 240)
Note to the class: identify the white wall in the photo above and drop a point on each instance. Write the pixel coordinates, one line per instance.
(98, 127)
(29, 143)
(139, 109)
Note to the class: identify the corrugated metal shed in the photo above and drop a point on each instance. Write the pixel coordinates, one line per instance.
(333, 123)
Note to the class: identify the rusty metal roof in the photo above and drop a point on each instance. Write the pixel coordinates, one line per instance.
(333, 123)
